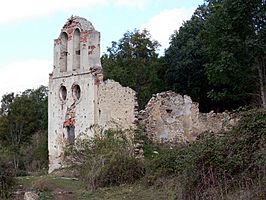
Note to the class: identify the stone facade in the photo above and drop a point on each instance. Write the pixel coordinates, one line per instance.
(170, 117)
(117, 105)
(78, 98)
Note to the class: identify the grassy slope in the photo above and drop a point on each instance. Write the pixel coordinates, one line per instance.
(52, 187)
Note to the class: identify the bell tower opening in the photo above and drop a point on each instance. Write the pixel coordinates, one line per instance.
(76, 53)
(63, 52)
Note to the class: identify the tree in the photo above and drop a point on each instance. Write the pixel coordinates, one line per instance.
(7, 99)
(258, 43)
(186, 58)
(235, 36)
(21, 117)
(218, 56)
(133, 62)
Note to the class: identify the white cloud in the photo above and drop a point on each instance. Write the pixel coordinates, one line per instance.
(21, 75)
(163, 25)
(16, 10)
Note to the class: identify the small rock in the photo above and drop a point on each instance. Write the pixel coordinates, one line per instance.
(31, 196)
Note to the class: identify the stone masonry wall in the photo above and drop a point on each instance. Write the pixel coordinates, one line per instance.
(170, 117)
(116, 106)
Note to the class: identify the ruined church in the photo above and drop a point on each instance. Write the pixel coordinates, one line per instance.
(79, 99)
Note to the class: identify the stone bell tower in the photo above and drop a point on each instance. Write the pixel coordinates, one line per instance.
(73, 86)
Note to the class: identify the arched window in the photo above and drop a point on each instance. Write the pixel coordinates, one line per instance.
(76, 53)
(62, 93)
(76, 92)
(63, 52)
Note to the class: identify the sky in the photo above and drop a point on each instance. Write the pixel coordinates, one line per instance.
(28, 28)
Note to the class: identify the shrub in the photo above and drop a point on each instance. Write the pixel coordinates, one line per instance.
(121, 168)
(217, 165)
(106, 160)
(6, 174)
(33, 158)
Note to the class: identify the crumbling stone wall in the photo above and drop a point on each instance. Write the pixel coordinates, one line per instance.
(117, 106)
(170, 117)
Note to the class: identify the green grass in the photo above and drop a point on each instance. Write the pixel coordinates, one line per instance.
(48, 187)
(137, 190)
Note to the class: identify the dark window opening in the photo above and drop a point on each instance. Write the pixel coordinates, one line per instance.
(169, 110)
(63, 93)
(63, 52)
(71, 134)
(76, 52)
(76, 92)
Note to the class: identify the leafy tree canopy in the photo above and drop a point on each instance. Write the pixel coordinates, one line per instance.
(218, 56)
(21, 117)
(133, 61)
(232, 33)
(186, 58)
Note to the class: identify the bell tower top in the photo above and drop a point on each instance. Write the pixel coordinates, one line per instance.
(78, 22)
(77, 49)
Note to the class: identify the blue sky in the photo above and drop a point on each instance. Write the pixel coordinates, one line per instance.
(28, 28)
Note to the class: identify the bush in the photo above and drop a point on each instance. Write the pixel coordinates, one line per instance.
(33, 156)
(6, 174)
(217, 165)
(121, 168)
(106, 160)
(37, 156)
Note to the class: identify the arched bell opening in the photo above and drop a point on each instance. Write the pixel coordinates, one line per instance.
(76, 53)
(63, 52)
